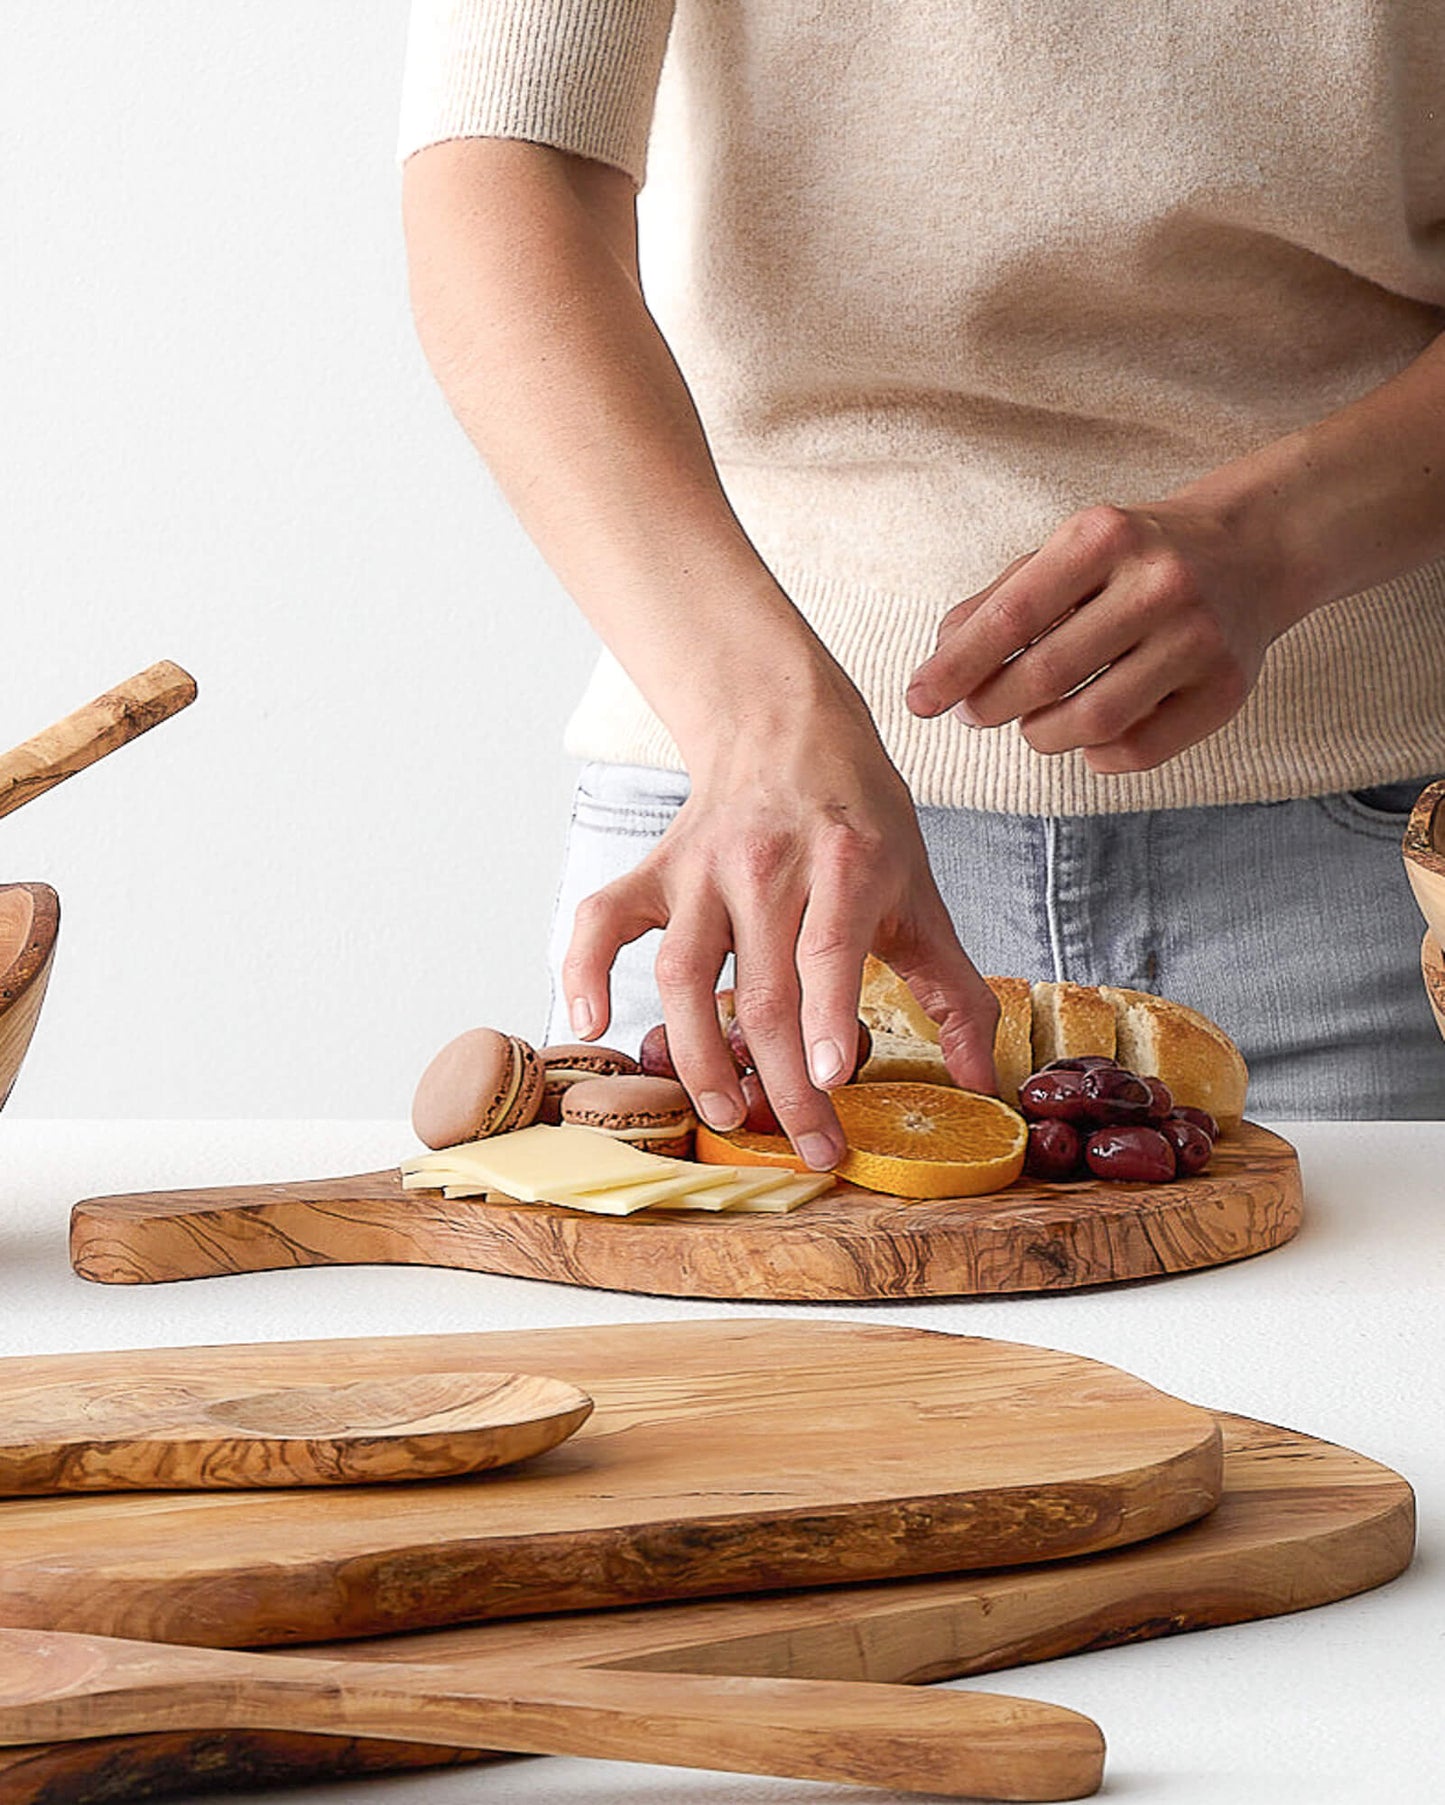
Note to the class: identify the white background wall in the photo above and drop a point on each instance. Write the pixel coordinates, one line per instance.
(219, 444)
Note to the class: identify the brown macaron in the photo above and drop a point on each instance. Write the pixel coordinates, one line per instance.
(481, 1083)
(654, 1114)
(570, 1063)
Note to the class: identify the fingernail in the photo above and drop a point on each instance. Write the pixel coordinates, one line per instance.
(826, 1060)
(820, 1150)
(719, 1110)
(919, 698)
(966, 714)
(579, 1012)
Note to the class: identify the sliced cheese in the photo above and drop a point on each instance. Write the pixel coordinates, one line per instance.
(542, 1163)
(785, 1196)
(649, 1193)
(729, 1186)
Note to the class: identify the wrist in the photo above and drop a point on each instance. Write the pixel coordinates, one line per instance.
(1268, 505)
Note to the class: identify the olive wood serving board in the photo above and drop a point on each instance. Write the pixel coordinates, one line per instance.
(720, 1457)
(1300, 1523)
(946, 1744)
(203, 1434)
(846, 1244)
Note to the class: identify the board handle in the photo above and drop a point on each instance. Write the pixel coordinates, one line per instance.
(102, 726)
(66, 1687)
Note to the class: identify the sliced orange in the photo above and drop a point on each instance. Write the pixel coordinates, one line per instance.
(744, 1147)
(925, 1140)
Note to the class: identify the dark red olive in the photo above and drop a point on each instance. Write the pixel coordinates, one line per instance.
(760, 1118)
(865, 1047)
(1054, 1096)
(653, 1055)
(1192, 1146)
(1201, 1118)
(1085, 1062)
(1161, 1100)
(738, 1046)
(1113, 1097)
(1133, 1155)
(1055, 1151)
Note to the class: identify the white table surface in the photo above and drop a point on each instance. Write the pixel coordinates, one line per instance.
(1341, 1334)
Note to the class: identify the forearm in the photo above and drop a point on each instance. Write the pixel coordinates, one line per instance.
(1354, 500)
(525, 290)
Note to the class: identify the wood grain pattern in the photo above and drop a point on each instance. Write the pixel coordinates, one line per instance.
(1424, 849)
(29, 925)
(201, 1434)
(721, 1457)
(102, 726)
(1301, 1523)
(847, 1244)
(946, 1744)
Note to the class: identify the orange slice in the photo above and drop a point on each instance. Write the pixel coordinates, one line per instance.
(744, 1147)
(923, 1140)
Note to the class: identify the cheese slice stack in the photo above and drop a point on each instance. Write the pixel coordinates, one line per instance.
(588, 1169)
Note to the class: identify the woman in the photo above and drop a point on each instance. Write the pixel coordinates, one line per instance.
(1046, 504)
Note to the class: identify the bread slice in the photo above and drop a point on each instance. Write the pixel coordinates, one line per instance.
(1159, 1038)
(1070, 1020)
(1013, 1042)
(905, 1041)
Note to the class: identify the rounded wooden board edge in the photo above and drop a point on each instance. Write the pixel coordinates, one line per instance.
(1349, 1551)
(846, 1246)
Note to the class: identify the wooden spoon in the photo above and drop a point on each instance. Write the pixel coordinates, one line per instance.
(110, 721)
(69, 1688)
(192, 1433)
(30, 913)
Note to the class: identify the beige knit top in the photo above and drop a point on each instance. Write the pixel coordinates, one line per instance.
(941, 272)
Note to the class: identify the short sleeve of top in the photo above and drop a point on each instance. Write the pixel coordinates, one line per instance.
(581, 75)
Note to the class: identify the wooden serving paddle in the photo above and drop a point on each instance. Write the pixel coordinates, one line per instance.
(112, 720)
(190, 1432)
(62, 1687)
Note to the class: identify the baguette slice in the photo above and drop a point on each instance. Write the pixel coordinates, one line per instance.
(1201, 1065)
(905, 1040)
(1012, 1043)
(1071, 1020)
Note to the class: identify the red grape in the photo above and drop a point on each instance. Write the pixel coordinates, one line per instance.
(760, 1118)
(653, 1055)
(1133, 1154)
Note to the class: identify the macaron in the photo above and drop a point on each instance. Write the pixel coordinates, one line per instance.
(654, 1114)
(481, 1083)
(570, 1063)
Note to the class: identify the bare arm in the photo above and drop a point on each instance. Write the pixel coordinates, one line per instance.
(798, 848)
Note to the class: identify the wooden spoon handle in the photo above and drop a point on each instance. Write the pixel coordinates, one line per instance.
(64, 1687)
(121, 714)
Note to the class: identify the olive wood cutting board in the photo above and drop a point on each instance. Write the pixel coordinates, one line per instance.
(1300, 1523)
(846, 1244)
(719, 1457)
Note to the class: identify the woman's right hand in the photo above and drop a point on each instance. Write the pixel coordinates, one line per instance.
(799, 852)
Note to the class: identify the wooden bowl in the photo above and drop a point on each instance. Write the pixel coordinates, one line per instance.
(1425, 857)
(29, 922)
(1432, 968)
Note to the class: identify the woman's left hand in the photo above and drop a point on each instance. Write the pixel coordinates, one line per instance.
(1129, 634)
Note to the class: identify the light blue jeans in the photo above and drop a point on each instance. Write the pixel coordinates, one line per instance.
(1290, 923)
